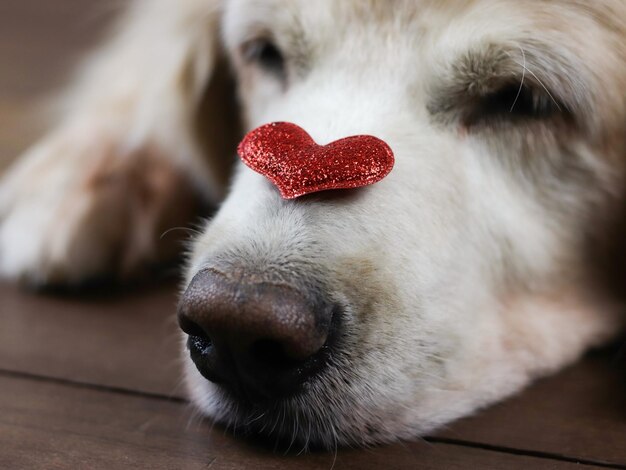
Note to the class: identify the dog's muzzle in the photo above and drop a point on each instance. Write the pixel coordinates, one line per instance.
(258, 340)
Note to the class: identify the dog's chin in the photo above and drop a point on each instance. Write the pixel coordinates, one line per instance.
(295, 421)
(322, 415)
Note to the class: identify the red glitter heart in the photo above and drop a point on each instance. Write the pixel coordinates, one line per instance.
(285, 154)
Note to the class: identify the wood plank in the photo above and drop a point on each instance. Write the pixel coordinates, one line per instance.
(53, 426)
(580, 412)
(127, 340)
(41, 43)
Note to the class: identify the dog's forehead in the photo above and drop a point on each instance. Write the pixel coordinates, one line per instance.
(411, 16)
(403, 31)
(331, 23)
(420, 39)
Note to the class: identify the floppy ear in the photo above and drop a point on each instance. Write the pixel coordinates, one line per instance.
(218, 125)
(147, 126)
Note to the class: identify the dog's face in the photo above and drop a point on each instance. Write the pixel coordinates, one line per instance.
(464, 273)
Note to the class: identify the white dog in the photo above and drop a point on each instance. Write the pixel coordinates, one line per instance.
(488, 257)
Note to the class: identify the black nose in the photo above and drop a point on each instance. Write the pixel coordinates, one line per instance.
(259, 340)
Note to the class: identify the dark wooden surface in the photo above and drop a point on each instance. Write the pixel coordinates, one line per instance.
(41, 43)
(92, 381)
(51, 425)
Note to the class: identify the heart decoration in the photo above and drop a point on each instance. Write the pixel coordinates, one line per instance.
(285, 154)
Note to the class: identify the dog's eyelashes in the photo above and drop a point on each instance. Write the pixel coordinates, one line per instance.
(523, 101)
(265, 54)
(513, 102)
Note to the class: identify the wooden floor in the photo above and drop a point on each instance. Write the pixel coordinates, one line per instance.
(93, 381)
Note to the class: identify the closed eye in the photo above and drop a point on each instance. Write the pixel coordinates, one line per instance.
(263, 53)
(499, 85)
(512, 101)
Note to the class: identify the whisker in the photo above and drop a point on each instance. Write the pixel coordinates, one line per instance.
(254, 419)
(540, 83)
(521, 85)
(173, 229)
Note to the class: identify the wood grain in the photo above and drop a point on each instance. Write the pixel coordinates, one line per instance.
(41, 44)
(127, 340)
(52, 426)
(580, 412)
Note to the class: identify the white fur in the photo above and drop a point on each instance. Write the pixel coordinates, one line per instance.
(461, 278)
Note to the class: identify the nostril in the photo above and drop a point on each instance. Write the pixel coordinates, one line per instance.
(202, 353)
(190, 327)
(272, 353)
(200, 345)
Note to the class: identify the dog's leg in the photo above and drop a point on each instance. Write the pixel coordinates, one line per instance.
(123, 164)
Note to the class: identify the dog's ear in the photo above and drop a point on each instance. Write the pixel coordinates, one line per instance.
(206, 102)
(218, 126)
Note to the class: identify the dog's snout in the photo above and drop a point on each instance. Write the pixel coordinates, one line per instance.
(257, 339)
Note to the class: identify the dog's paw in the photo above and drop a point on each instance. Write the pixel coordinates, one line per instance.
(79, 206)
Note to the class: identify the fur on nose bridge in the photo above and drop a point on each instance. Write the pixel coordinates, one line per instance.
(287, 155)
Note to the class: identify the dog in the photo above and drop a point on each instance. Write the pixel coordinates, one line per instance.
(491, 255)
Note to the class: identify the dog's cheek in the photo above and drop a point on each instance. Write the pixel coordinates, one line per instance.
(373, 298)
